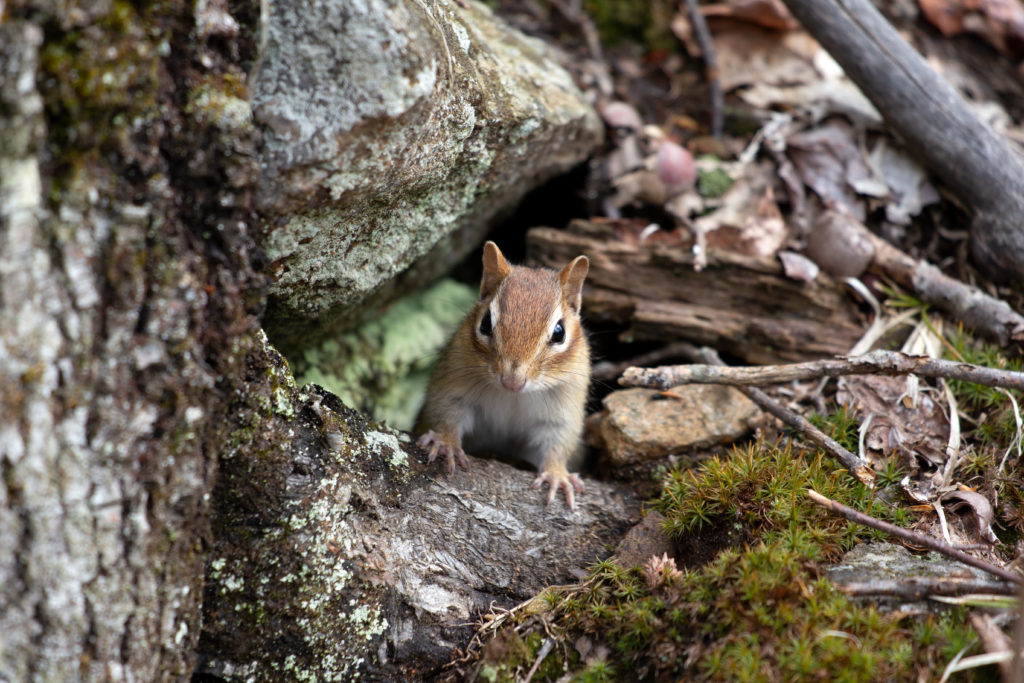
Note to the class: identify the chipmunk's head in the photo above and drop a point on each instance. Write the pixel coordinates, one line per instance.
(528, 322)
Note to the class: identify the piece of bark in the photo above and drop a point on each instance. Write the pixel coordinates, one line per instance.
(337, 552)
(743, 306)
(979, 166)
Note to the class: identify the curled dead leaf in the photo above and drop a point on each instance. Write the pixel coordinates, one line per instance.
(981, 511)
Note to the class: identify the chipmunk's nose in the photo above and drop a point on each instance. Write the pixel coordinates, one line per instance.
(513, 379)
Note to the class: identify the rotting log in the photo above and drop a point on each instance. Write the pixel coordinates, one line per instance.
(336, 553)
(743, 306)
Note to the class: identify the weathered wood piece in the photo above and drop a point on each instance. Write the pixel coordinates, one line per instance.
(744, 307)
(336, 554)
(976, 164)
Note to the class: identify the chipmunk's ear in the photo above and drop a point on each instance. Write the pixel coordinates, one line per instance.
(571, 278)
(495, 270)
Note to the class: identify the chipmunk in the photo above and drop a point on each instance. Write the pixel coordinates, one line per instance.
(513, 379)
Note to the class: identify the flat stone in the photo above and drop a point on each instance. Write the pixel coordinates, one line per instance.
(641, 424)
(891, 577)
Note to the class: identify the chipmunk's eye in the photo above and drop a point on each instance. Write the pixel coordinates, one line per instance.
(558, 334)
(485, 324)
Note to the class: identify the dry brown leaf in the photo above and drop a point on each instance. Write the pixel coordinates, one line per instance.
(749, 221)
(1000, 22)
(797, 266)
(830, 162)
(895, 427)
(909, 189)
(747, 55)
(981, 512)
(767, 13)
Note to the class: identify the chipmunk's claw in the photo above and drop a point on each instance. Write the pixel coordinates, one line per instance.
(567, 481)
(435, 445)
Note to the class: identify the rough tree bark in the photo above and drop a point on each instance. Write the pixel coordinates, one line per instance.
(127, 302)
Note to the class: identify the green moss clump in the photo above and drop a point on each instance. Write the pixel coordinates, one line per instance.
(714, 183)
(383, 367)
(762, 608)
(98, 79)
(643, 21)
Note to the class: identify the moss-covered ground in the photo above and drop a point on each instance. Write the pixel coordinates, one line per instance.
(762, 609)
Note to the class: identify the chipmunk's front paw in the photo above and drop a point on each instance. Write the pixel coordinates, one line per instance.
(560, 478)
(435, 445)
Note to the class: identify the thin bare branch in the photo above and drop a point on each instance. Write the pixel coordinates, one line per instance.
(607, 370)
(707, 47)
(872, 363)
(857, 466)
(920, 587)
(912, 537)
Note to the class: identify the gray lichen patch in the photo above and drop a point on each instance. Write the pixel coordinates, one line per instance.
(303, 465)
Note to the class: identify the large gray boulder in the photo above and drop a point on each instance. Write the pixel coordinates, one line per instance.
(395, 131)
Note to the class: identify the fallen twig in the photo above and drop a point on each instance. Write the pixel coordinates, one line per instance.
(707, 47)
(855, 464)
(872, 363)
(606, 370)
(989, 317)
(920, 587)
(912, 537)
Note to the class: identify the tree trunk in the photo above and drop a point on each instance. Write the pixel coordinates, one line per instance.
(127, 303)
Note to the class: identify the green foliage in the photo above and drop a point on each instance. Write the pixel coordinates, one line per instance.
(840, 425)
(714, 183)
(764, 490)
(383, 367)
(757, 611)
(641, 21)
